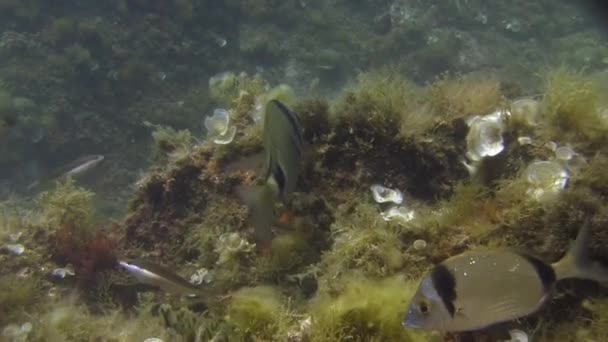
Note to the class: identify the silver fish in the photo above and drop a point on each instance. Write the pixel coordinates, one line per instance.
(283, 148)
(161, 277)
(82, 165)
(73, 169)
(478, 289)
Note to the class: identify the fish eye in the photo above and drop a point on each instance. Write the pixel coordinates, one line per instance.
(424, 307)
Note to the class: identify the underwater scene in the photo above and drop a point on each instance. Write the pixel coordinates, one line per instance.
(303, 170)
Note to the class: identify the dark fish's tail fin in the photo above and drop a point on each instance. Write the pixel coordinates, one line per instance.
(260, 200)
(577, 263)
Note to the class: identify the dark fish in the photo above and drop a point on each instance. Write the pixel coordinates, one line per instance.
(283, 149)
(160, 276)
(478, 289)
(73, 169)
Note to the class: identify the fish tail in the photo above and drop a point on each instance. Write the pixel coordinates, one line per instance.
(577, 263)
(260, 200)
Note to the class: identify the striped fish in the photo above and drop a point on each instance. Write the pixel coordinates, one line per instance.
(283, 149)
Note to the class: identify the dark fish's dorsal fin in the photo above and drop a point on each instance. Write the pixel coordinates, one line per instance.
(445, 285)
(545, 272)
(279, 177)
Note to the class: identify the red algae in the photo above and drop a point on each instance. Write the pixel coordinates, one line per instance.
(89, 254)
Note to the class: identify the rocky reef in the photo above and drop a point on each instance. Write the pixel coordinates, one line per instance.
(430, 127)
(339, 267)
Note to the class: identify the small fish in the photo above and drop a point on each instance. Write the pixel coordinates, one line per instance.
(283, 148)
(479, 289)
(162, 277)
(76, 168)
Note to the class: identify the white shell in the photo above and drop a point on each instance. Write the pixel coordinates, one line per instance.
(153, 339)
(62, 272)
(383, 194)
(419, 244)
(547, 178)
(524, 140)
(14, 248)
(564, 153)
(227, 137)
(402, 213)
(526, 111)
(485, 136)
(518, 335)
(218, 123)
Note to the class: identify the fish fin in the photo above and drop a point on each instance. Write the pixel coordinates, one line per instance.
(577, 263)
(260, 200)
(499, 331)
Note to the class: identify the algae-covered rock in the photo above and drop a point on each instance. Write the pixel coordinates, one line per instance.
(256, 312)
(17, 295)
(287, 251)
(571, 103)
(366, 310)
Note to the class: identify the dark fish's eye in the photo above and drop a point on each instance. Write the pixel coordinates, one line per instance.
(423, 306)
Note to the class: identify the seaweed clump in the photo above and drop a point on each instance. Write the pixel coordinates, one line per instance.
(257, 313)
(73, 240)
(384, 112)
(572, 101)
(366, 310)
(460, 97)
(15, 293)
(66, 320)
(67, 204)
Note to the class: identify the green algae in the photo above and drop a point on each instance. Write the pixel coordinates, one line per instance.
(386, 102)
(17, 296)
(363, 242)
(333, 246)
(366, 310)
(68, 59)
(288, 251)
(256, 312)
(67, 204)
(69, 321)
(572, 101)
(463, 96)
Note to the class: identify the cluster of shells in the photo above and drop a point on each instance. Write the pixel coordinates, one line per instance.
(485, 139)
